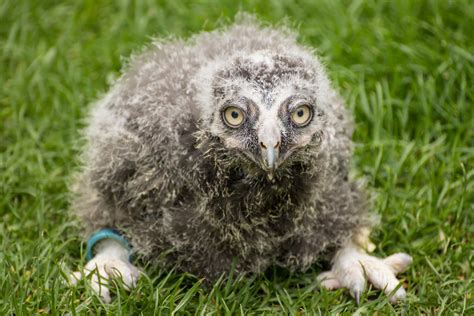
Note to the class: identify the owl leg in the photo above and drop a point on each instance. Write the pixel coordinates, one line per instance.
(352, 267)
(111, 261)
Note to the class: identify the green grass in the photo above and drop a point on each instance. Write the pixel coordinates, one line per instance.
(406, 69)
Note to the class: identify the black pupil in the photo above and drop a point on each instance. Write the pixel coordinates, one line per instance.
(300, 113)
(234, 114)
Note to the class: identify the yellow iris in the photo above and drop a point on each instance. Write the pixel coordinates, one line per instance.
(233, 116)
(301, 115)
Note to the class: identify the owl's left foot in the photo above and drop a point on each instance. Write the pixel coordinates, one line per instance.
(352, 267)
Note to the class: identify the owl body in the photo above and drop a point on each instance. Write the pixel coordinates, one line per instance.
(164, 167)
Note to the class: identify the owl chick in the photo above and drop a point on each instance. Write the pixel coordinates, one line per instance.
(228, 149)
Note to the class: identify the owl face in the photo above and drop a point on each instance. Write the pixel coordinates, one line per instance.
(267, 107)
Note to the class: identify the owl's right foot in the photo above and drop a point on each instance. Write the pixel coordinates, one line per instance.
(111, 261)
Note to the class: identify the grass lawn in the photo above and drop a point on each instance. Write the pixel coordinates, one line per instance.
(406, 69)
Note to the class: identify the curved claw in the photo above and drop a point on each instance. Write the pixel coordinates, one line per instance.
(357, 295)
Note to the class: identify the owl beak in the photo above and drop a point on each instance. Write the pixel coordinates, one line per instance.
(271, 159)
(270, 140)
(270, 155)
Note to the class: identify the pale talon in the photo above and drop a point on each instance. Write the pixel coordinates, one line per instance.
(357, 297)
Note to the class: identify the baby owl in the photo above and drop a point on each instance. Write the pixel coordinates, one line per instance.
(229, 148)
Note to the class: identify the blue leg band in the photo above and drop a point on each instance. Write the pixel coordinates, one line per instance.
(106, 233)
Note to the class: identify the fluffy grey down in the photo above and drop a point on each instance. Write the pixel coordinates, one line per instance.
(161, 167)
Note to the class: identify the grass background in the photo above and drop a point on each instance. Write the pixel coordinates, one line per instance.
(406, 69)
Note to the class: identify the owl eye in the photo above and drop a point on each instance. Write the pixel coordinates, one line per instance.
(301, 115)
(233, 116)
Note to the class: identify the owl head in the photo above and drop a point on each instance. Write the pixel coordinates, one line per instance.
(267, 107)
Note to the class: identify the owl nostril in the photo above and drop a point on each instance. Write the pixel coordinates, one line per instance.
(274, 146)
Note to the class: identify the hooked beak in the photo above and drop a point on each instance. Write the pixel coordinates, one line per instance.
(269, 137)
(270, 157)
